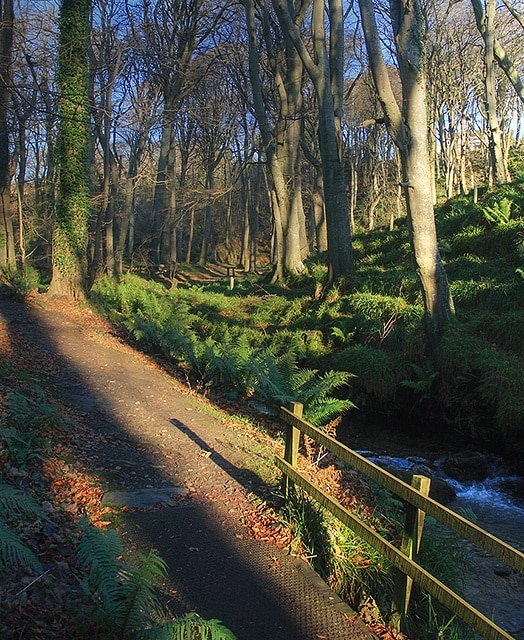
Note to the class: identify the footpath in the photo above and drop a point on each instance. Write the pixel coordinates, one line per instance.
(182, 471)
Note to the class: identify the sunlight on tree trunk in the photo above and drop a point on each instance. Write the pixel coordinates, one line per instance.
(409, 130)
(324, 72)
(486, 25)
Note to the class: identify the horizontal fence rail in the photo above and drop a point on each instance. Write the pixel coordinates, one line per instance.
(466, 529)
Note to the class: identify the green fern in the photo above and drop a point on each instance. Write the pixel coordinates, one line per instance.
(21, 281)
(345, 337)
(97, 554)
(140, 594)
(423, 377)
(124, 598)
(279, 380)
(189, 627)
(270, 378)
(14, 551)
(125, 602)
(33, 412)
(313, 391)
(15, 503)
(499, 213)
(20, 448)
(224, 362)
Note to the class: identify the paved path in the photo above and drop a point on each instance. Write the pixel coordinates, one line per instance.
(151, 434)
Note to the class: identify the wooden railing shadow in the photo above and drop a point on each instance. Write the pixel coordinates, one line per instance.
(418, 505)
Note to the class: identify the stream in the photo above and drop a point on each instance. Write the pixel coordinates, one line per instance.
(497, 503)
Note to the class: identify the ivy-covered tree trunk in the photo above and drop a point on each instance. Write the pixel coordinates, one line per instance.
(69, 276)
(7, 242)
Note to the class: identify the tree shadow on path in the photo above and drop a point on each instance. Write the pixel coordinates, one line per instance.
(127, 406)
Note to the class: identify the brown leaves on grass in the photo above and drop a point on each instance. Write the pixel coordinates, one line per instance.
(264, 525)
(76, 492)
(384, 632)
(41, 603)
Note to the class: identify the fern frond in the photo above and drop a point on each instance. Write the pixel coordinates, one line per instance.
(302, 378)
(190, 627)
(15, 502)
(98, 556)
(313, 392)
(13, 551)
(182, 348)
(280, 381)
(320, 413)
(123, 595)
(140, 603)
(270, 381)
(318, 387)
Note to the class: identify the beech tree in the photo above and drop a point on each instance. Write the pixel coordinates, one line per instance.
(280, 132)
(37, 46)
(214, 128)
(107, 53)
(292, 160)
(69, 259)
(136, 124)
(504, 60)
(485, 17)
(168, 36)
(409, 130)
(453, 94)
(325, 69)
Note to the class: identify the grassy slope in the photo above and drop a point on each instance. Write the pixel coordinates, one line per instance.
(258, 339)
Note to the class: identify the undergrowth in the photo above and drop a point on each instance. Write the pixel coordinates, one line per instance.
(363, 577)
(362, 343)
(28, 423)
(259, 340)
(121, 596)
(124, 599)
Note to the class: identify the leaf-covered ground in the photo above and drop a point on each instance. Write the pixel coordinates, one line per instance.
(70, 462)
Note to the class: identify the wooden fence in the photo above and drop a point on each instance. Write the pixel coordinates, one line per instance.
(419, 504)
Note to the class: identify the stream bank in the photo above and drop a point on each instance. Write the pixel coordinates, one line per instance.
(497, 502)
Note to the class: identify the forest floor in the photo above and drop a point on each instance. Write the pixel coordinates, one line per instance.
(139, 430)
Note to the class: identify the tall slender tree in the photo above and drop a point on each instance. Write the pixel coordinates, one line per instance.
(409, 130)
(485, 18)
(325, 69)
(170, 37)
(7, 243)
(280, 127)
(72, 208)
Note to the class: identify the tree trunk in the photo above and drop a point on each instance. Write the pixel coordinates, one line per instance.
(326, 75)
(319, 211)
(246, 227)
(72, 208)
(190, 234)
(252, 185)
(206, 250)
(7, 240)
(293, 218)
(496, 152)
(164, 187)
(408, 129)
(278, 191)
(124, 227)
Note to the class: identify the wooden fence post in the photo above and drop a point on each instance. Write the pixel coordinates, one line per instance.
(292, 443)
(231, 275)
(410, 545)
